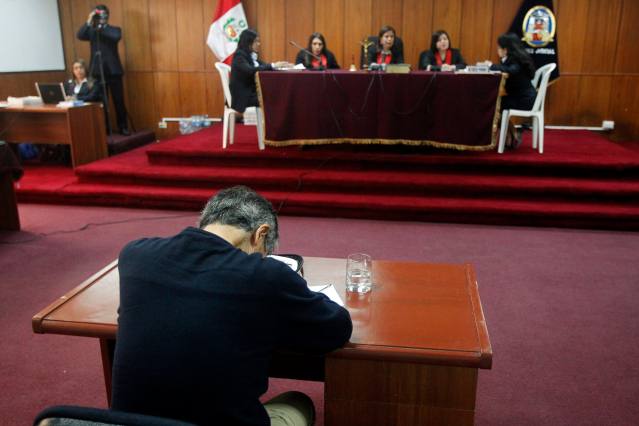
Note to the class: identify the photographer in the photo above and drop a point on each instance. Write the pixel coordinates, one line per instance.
(105, 59)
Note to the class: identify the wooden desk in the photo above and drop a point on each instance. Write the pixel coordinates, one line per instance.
(82, 128)
(418, 339)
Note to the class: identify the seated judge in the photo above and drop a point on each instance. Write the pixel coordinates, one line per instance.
(388, 50)
(82, 86)
(243, 68)
(317, 46)
(520, 70)
(203, 312)
(441, 56)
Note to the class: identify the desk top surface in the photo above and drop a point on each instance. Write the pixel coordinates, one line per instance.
(416, 312)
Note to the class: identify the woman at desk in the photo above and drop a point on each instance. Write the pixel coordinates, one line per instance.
(388, 49)
(317, 46)
(243, 68)
(517, 63)
(81, 86)
(441, 56)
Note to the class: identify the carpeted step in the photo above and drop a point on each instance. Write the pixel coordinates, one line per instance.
(608, 215)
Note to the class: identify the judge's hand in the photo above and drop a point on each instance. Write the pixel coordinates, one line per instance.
(486, 63)
(446, 67)
(282, 64)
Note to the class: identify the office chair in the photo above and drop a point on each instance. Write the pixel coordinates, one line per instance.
(228, 129)
(540, 81)
(71, 415)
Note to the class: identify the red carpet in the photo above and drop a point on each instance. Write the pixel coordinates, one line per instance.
(582, 180)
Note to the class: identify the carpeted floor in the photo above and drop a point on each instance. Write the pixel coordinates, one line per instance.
(582, 180)
(560, 306)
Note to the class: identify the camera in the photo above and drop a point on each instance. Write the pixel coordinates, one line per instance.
(100, 17)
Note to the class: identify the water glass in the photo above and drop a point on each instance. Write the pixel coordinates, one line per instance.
(358, 273)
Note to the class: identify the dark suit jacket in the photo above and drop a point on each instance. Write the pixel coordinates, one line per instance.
(305, 58)
(242, 84)
(427, 57)
(199, 321)
(520, 92)
(109, 38)
(92, 94)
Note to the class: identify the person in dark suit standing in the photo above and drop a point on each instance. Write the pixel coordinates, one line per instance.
(317, 46)
(243, 68)
(82, 86)
(389, 49)
(441, 56)
(104, 38)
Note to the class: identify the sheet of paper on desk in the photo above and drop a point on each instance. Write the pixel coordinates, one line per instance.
(292, 263)
(329, 290)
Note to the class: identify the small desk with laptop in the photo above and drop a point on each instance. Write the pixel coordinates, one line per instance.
(80, 127)
(418, 341)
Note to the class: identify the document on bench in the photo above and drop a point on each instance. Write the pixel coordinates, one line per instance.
(328, 290)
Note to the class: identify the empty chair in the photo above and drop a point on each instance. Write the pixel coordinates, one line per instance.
(69, 415)
(228, 132)
(540, 81)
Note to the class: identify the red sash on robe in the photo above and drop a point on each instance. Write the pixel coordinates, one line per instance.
(449, 58)
(387, 59)
(316, 64)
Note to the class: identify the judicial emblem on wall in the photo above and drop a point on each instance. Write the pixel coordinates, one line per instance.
(539, 26)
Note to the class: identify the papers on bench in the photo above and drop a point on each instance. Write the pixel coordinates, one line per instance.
(328, 290)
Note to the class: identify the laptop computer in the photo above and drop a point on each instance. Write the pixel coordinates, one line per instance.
(51, 93)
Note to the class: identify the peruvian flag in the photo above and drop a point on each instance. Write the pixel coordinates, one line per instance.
(228, 22)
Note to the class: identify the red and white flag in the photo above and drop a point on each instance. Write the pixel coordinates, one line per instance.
(228, 23)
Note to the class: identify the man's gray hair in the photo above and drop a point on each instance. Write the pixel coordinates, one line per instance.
(243, 208)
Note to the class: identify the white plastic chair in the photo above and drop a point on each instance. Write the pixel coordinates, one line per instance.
(540, 82)
(228, 132)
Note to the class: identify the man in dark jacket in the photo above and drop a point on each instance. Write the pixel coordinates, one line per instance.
(104, 38)
(202, 312)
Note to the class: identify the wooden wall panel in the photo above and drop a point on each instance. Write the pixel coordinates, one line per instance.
(417, 28)
(503, 14)
(300, 23)
(571, 34)
(250, 10)
(68, 32)
(604, 17)
(476, 17)
(163, 32)
(142, 106)
(137, 36)
(357, 26)
(167, 99)
(208, 9)
(192, 93)
(627, 57)
(214, 94)
(271, 27)
(387, 12)
(624, 107)
(80, 10)
(447, 16)
(190, 35)
(593, 99)
(329, 20)
(560, 101)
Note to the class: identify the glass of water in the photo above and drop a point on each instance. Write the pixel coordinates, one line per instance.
(358, 273)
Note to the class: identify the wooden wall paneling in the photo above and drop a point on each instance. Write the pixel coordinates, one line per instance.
(163, 32)
(417, 27)
(447, 16)
(68, 34)
(191, 39)
(357, 26)
(503, 14)
(593, 100)
(141, 100)
(388, 12)
(80, 10)
(604, 17)
(250, 10)
(192, 93)
(627, 60)
(329, 20)
(167, 99)
(624, 107)
(214, 94)
(23, 83)
(271, 26)
(137, 36)
(208, 9)
(477, 16)
(300, 23)
(572, 16)
(560, 101)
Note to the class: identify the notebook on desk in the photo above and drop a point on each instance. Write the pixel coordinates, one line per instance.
(51, 93)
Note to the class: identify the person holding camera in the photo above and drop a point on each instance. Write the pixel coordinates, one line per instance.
(105, 60)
